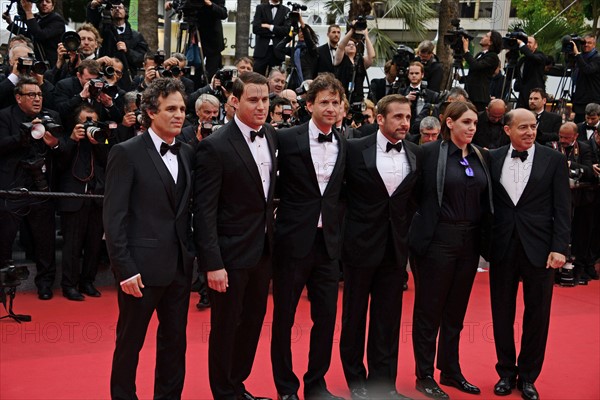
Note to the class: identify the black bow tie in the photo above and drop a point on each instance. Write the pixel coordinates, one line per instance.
(325, 138)
(389, 146)
(521, 154)
(174, 148)
(275, 6)
(589, 127)
(254, 134)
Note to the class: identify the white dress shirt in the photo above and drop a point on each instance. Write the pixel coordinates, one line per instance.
(515, 173)
(324, 156)
(392, 166)
(169, 158)
(261, 154)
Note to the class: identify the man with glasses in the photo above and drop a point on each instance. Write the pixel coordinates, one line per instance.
(586, 76)
(27, 161)
(119, 40)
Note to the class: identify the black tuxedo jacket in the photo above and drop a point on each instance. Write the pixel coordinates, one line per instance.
(377, 89)
(232, 219)
(210, 27)
(541, 218)
(431, 188)
(582, 132)
(325, 63)
(478, 80)
(301, 200)
(548, 127)
(145, 223)
(263, 36)
(373, 217)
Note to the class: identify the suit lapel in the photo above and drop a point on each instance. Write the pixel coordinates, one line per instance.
(161, 168)
(370, 157)
(304, 147)
(441, 170)
(273, 173)
(537, 172)
(186, 168)
(412, 161)
(238, 141)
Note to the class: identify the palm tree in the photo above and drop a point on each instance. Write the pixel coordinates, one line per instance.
(148, 12)
(448, 12)
(242, 28)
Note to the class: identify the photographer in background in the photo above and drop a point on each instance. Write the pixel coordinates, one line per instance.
(130, 125)
(354, 55)
(26, 161)
(118, 39)
(381, 87)
(530, 70)
(207, 109)
(586, 76)
(422, 99)
(270, 25)
(22, 65)
(434, 70)
(304, 55)
(45, 28)
(82, 161)
(482, 68)
(280, 112)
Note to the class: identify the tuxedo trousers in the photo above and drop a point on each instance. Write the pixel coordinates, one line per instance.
(537, 295)
(171, 304)
(443, 280)
(236, 318)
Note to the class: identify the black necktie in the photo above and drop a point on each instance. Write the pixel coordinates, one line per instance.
(521, 154)
(325, 138)
(254, 134)
(389, 146)
(174, 148)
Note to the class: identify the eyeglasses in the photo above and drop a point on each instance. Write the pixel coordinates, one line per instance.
(351, 44)
(468, 169)
(119, 73)
(33, 95)
(119, 7)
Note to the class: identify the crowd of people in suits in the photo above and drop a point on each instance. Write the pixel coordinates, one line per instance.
(365, 186)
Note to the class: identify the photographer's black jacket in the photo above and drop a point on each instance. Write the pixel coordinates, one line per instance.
(15, 147)
(133, 58)
(45, 31)
(308, 55)
(587, 80)
(208, 20)
(533, 64)
(481, 70)
(7, 94)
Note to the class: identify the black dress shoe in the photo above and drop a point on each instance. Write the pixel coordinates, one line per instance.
(460, 383)
(89, 290)
(73, 294)
(395, 395)
(287, 396)
(203, 302)
(321, 394)
(528, 390)
(247, 396)
(429, 387)
(45, 293)
(359, 393)
(504, 386)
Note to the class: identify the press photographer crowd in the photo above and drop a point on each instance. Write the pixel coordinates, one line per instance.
(175, 156)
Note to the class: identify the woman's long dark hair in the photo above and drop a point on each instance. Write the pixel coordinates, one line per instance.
(454, 111)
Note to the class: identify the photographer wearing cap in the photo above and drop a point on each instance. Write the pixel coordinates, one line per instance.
(482, 68)
(586, 76)
(82, 161)
(45, 27)
(530, 70)
(27, 150)
(119, 40)
(21, 65)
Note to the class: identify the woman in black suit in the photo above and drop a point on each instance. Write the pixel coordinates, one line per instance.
(445, 238)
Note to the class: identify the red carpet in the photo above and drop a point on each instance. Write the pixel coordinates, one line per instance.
(65, 352)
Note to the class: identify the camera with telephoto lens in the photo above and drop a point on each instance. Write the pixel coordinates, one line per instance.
(294, 15)
(11, 275)
(208, 127)
(509, 41)
(567, 46)
(71, 41)
(356, 112)
(225, 76)
(100, 85)
(172, 72)
(302, 89)
(29, 65)
(36, 130)
(98, 130)
(575, 174)
(453, 38)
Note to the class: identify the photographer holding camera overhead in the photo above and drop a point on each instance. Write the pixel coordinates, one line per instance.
(118, 39)
(45, 27)
(28, 142)
(482, 68)
(586, 75)
(354, 55)
(530, 69)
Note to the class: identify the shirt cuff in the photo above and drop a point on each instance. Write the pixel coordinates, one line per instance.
(130, 279)
(13, 78)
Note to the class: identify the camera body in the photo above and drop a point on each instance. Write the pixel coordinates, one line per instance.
(11, 275)
(226, 77)
(509, 41)
(98, 130)
(29, 65)
(567, 46)
(100, 85)
(36, 131)
(208, 127)
(453, 38)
